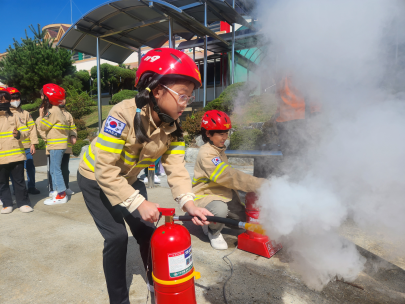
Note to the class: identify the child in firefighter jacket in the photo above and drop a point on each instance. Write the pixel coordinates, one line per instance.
(57, 129)
(215, 182)
(135, 134)
(12, 155)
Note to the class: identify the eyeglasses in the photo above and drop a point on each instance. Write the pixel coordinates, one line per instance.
(183, 99)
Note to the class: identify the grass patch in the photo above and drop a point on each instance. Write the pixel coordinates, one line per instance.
(92, 119)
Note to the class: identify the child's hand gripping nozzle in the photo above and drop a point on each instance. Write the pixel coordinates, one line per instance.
(254, 239)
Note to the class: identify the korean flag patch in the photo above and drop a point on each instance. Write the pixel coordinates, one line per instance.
(216, 160)
(114, 126)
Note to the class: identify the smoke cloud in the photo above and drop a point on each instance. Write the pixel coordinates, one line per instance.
(348, 56)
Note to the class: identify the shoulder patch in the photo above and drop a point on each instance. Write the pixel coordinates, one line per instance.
(114, 126)
(22, 121)
(216, 161)
(47, 114)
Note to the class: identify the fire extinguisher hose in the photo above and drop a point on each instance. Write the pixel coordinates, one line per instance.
(216, 219)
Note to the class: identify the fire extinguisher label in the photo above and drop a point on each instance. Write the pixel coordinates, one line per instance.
(180, 262)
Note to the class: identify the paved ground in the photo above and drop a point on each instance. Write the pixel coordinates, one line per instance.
(53, 255)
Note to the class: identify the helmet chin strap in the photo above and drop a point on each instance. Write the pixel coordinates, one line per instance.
(162, 116)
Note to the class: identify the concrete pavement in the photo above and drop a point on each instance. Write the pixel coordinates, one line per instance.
(53, 255)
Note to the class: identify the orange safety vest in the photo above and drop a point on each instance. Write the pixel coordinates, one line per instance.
(292, 106)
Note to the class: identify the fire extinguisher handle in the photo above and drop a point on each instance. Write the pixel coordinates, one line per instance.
(166, 211)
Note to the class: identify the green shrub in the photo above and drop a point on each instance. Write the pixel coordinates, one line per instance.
(30, 107)
(245, 139)
(187, 140)
(80, 124)
(78, 104)
(225, 101)
(122, 95)
(77, 147)
(192, 124)
(41, 145)
(257, 109)
(82, 134)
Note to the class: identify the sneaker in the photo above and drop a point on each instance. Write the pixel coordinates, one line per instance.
(69, 192)
(145, 180)
(52, 194)
(26, 209)
(162, 174)
(7, 210)
(60, 198)
(217, 242)
(33, 191)
(157, 180)
(1, 203)
(205, 229)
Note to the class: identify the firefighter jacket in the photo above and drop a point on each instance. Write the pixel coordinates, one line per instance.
(12, 149)
(215, 179)
(115, 157)
(56, 127)
(26, 119)
(72, 131)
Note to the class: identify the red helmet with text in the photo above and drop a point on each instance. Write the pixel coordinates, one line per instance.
(216, 120)
(55, 93)
(168, 62)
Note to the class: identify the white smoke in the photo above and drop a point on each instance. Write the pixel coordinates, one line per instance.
(348, 55)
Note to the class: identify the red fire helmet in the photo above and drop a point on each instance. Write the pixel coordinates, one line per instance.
(55, 93)
(216, 120)
(166, 62)
(12, 90)
(3, 89)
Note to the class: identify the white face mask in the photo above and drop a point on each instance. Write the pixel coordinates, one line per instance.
(15, 103)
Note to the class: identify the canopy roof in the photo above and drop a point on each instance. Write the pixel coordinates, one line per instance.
(125, 26)
(244, 39)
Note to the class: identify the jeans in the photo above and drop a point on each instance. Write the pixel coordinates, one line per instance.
(21, 193)
(56, 170)
(65, 171)
(30, 168)
(110, 221)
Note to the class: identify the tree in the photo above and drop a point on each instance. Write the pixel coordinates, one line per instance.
(34, 62)
(70, 82)
(84, 77)
(113, 78)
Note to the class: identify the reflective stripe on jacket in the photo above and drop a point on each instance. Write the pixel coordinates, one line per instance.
(26, 119)
(11, 149)
(72, 129)
(116, 160)
(215, 179)
(56, 128)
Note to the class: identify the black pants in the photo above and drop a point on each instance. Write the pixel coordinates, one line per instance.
(21, 193)
(110, 222)
(65, 171)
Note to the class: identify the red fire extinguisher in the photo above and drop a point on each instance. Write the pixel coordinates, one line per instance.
(255, 242)
(172, 260)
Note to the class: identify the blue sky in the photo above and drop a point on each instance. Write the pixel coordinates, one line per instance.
(23, 13)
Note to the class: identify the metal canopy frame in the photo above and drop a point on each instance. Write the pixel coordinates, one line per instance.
(116, 29)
